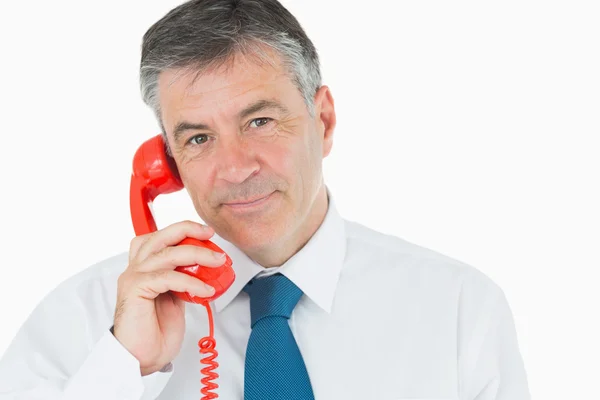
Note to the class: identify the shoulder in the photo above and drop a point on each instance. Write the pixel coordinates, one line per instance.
(104, 273)
(427, 279)
(413, 261)
(92, 291)
(81, 306)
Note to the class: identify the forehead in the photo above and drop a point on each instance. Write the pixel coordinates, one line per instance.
(222, 90)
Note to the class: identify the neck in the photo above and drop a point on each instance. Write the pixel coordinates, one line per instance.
(284, 249)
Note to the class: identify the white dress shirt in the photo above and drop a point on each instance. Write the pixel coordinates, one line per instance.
(381, 318)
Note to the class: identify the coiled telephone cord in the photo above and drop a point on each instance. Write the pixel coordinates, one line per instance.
(207, 345)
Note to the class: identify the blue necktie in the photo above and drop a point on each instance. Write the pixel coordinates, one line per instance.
(274, 368)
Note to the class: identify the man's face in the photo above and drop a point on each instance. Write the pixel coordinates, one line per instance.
(247, 150)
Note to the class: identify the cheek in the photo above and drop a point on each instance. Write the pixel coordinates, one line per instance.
(197, 181)
(284, 158)
(313, 151)
(297, 157)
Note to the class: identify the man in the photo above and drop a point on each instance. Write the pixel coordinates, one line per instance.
(236, 88)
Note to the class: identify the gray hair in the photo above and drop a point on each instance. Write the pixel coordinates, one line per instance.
(205, 34)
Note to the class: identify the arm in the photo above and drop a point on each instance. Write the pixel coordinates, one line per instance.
(493, 366)
(62, 352)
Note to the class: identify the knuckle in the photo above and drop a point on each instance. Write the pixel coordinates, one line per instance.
(124, 285)
(179, 225)
(167, 253)
(124, 279)
(161, 276)
(136, 241)
(135, 244)
(190, 225)
(164, 275)
(133, 241)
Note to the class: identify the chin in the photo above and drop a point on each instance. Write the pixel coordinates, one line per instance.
(256, 236)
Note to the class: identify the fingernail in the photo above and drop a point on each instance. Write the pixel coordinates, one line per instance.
(210, 289)
(219, 256)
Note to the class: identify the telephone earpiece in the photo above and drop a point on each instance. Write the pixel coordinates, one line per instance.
(154, 173)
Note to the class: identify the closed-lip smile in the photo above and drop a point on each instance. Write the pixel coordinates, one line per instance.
(248, 202)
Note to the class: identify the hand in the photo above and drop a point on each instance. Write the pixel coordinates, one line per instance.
(149, 321)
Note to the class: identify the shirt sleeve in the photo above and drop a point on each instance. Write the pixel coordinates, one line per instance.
(65, 351)
(114, 374)
(495, 370)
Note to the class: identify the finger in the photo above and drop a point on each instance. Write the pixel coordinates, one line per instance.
(151, 284)
(171, 235)
(135, 244)
(181, 256)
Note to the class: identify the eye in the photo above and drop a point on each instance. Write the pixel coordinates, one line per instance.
(258, 122)
(198, 139)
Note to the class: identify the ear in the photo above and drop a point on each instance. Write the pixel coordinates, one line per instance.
(325, 117)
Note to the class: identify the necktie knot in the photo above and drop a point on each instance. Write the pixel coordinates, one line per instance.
(272, 296)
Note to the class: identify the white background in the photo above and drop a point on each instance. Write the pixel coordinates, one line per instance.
(468, 128)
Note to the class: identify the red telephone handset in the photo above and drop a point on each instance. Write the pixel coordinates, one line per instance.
(154, 173)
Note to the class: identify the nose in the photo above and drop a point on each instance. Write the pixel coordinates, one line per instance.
(236, 160)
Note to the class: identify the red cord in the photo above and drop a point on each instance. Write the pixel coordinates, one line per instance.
(207, 346)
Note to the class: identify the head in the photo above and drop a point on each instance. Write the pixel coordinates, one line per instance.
(236, 88)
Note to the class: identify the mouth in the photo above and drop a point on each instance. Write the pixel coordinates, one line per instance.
(249, 203)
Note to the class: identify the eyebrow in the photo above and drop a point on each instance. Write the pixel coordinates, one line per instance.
(255, 107)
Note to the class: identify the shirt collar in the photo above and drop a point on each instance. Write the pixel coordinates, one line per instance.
(315, 269)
